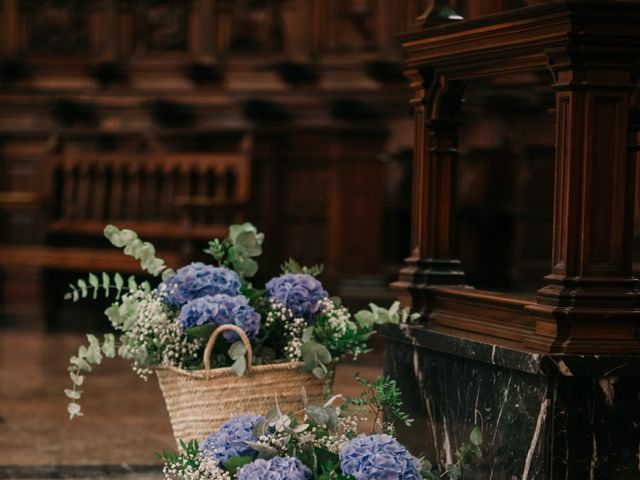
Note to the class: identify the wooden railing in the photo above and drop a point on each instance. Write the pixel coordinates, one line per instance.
(179, 197)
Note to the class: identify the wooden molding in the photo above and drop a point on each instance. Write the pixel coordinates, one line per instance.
(591, 303)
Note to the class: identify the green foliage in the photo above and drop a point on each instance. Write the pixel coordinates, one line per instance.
(188, 456)
(291, 266)
(336, 330)
(122, 315)
(82, 363)
(382, 398)
(314, 435)
(201, 331)
(237, 352)
(238, 250)
(236, 463)
(378, 315)
(145, 252)
(315, 358)
(93, 284)
(468, 453)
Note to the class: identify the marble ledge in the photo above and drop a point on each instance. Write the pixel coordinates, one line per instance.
(594, 366)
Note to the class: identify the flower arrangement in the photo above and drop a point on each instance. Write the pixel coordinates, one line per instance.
(316, 442)
(292, 319)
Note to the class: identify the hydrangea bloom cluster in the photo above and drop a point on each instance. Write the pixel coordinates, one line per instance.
(378, 457)
(298, 292)
(219, 310)
(151, 324)
(277, 468)
(230, 439)
(197, 280)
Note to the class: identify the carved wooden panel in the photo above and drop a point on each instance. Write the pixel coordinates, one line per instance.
(155, 26)
(60, 27)
(257, 26)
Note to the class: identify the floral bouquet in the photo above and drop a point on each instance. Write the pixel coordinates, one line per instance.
(315, 442)
(202, 327)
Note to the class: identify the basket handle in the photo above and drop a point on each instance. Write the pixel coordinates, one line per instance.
(212, 341)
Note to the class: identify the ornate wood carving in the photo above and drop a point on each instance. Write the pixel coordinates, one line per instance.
(161, 25)
(592, 302)
(432, 260)
(60, 26)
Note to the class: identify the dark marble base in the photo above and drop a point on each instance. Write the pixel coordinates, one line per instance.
(544, 417)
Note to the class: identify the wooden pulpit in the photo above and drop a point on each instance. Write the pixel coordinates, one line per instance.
(552, 379)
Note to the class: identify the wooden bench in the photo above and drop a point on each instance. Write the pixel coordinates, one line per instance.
(172, 199)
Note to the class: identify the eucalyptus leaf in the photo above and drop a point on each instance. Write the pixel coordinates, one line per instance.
(109, 345)
(237, 350)
(95, 284)
(74, 410)
(239, 366)
(245, 267)
(73, 394)
(247, 244)
(307, 334)
(317, 414)
(82, 285)
(118, 281)
(319, 372)
(476, 436)
(265, 452)
(77, 380)
(106, 283)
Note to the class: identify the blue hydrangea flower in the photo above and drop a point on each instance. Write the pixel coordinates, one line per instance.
(197, 280)
(378, 457)
(230, 439)
(278, 468)
(299, 292)
(221, 310)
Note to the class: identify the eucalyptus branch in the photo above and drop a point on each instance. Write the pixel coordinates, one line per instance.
(145, 252)
(82, 287)
(81, 364)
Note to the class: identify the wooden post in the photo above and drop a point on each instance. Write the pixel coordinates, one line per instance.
(432, 260)
(591, 292)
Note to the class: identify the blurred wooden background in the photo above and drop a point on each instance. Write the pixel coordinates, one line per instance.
(178, 117)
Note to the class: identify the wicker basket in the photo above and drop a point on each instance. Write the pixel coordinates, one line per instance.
(199, 401)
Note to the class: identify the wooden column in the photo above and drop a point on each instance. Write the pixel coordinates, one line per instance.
(432, 260)
(592, 299)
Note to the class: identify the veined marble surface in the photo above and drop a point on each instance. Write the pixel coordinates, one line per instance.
(544, 417)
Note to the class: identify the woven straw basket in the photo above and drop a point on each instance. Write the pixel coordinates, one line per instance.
(199, 401)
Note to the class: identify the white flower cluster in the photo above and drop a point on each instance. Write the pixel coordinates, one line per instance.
(277, 440)
(339, 330)
(347, 429)
(280, 438)
(208, 469)
(277, 313)
(293, 328)
(293, 332)
(153, 332)
(339, 318)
